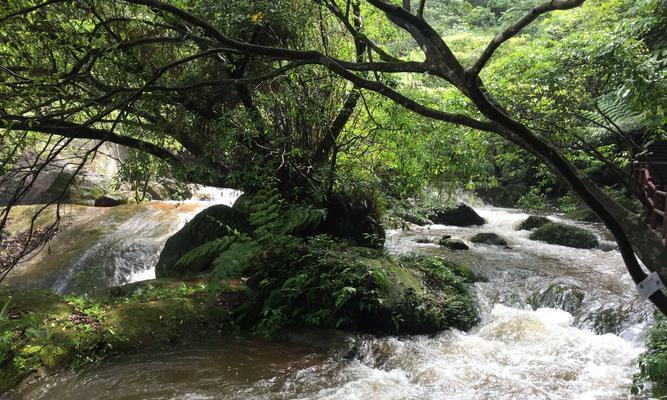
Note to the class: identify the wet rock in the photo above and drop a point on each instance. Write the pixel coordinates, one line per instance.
(206, 226)
(453, 244)
(168, 189)
(607, 245)
(110, 200)
(489, 238)
(565, 235)
(354, 217)
(423, 240)
(415, 219)
(558, 295)
(461, 215)
(532, 222)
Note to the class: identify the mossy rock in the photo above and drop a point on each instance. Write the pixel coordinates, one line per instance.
(414, 219)
(565, 235)
(334, 285)
(558, 295)
(206, 226)
(532, 222)
(609, 320)
(354, 217)
(489, 238)
(82, 330)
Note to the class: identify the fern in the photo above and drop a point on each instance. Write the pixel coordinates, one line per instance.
(232, 262)
(610, 111)
(206, 251)
(273, 223)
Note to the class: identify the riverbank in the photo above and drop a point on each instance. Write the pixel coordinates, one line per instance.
(553, 319)
(338, 287)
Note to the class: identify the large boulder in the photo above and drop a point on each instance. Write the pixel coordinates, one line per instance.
(461, 215)
(565, 235)
(57, 180)
(532, 222)
(359, 288)
(206, 226)
(414, 219)
(168, 189)
(489, 238)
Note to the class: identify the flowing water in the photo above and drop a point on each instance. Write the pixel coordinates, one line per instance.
(557, 323)
(101, 247)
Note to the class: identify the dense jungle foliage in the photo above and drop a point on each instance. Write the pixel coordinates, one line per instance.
(346, 110)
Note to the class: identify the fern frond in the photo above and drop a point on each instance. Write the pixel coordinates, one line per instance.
(233, 261)
(205, 251)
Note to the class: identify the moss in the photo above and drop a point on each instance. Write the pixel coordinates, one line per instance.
(532, 222)
(565, 235)
(557, 296)
(326, 283)
(21, 217)
(43, 332)
(653, 362)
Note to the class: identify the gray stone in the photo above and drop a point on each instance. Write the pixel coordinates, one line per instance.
(489, 238)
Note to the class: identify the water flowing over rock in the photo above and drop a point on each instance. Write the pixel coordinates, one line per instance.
(99, 247)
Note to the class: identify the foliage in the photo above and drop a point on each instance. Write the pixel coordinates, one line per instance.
(42, 332)
(653, 362)
(320, 282)
(273, 223)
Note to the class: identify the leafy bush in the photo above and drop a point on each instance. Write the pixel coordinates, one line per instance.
(653, 362)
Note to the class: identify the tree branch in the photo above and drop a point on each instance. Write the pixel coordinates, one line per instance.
(515, 28)
(78, 131)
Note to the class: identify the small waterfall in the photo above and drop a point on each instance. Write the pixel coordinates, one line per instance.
(104, 247)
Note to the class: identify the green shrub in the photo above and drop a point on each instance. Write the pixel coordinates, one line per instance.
(653, 362)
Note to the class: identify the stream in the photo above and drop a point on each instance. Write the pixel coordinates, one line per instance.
(557, 323)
